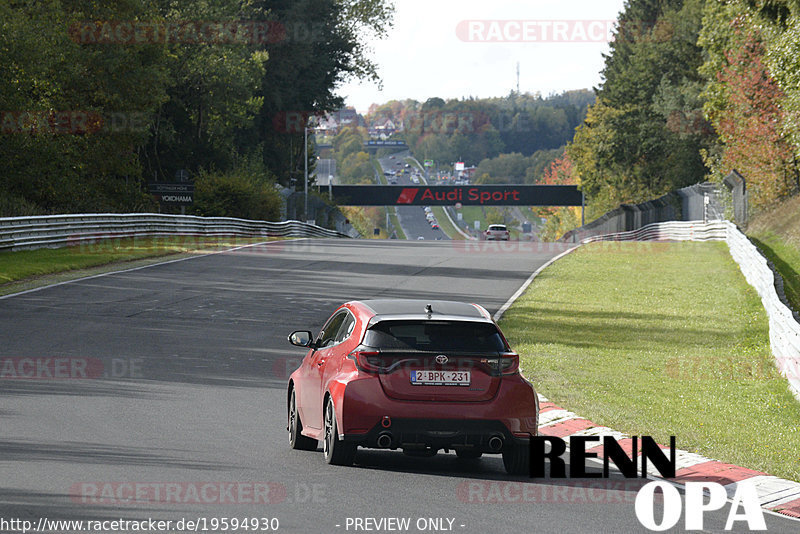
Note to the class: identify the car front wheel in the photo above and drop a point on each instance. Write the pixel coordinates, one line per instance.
(337, 451)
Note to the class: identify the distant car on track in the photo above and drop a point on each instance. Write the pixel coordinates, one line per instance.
(415, 375)
(497, 232)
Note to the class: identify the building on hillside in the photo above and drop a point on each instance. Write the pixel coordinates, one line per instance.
(382, 129)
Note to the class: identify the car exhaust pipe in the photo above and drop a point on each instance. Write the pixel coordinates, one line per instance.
(495, 443)
(384, 440)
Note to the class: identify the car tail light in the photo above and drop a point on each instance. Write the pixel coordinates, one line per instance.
(506, 363)
(367, 360)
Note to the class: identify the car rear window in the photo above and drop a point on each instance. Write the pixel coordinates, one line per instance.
(438, 336)
(497, 228)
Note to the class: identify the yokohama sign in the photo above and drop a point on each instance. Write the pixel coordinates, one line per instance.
(469, 195)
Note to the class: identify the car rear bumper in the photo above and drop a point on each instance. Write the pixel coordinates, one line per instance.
(367, 413)
(421, 434)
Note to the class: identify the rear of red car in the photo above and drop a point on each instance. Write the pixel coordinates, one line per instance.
(427, 382)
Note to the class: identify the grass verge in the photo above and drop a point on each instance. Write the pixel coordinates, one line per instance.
(445, 224)
(786, 259)
(660, 339)
(25, 264)
(776, 232)
(396, 222)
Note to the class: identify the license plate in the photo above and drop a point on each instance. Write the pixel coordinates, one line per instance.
(440, 378)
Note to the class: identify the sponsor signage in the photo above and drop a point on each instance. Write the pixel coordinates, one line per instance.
(375, 143)
(475, 195)
(181, 194)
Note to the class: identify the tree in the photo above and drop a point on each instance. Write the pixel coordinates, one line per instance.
(641, 139)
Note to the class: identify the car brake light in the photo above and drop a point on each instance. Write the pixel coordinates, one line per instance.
(367, 361)
(506, 364)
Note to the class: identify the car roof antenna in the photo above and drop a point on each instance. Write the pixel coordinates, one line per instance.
(429, 310)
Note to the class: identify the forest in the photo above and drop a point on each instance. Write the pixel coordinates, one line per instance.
(98, 99)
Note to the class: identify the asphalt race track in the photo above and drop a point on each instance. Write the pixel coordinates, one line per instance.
(412, 218)
(188, 404)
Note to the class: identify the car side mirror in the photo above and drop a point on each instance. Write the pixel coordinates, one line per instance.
(301, 338)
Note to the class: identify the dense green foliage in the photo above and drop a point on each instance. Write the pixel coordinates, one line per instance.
(472, 130)
(516, 168)
(97, 99)
(645, 134)
(692, 90)
(236, 194)
(353, 164)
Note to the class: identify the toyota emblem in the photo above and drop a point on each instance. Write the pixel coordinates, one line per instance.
(441, 359)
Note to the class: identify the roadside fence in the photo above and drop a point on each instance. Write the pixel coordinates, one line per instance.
(61, 230)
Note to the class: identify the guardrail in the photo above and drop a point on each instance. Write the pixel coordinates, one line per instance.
(784, 330)
(62, 230)
(670, 231)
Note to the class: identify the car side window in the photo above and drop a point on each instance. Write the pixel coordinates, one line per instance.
(327, 336)
(346, 329)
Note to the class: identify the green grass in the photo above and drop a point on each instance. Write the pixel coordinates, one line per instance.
(786, 259)
(25, 264)
(474, 213)
(396, 223)
(379, 176)
(776, 232)
(660, 339)
(445, 224)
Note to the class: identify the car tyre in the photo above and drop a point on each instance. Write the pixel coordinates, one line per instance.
(336, 451)
(516, 459)
(297, 440)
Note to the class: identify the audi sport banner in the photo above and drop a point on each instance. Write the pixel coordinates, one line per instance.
(468, 195)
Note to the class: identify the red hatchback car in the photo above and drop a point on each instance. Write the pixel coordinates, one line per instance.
(413, 375)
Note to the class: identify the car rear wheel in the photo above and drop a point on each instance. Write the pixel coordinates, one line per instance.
(296, 439)
(516, 459)
(337, 451)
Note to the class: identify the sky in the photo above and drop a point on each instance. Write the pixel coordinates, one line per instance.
(462, 48)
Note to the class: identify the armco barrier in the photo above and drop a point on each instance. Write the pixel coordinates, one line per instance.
(696, 202)
(62, 230)
(784, 330)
